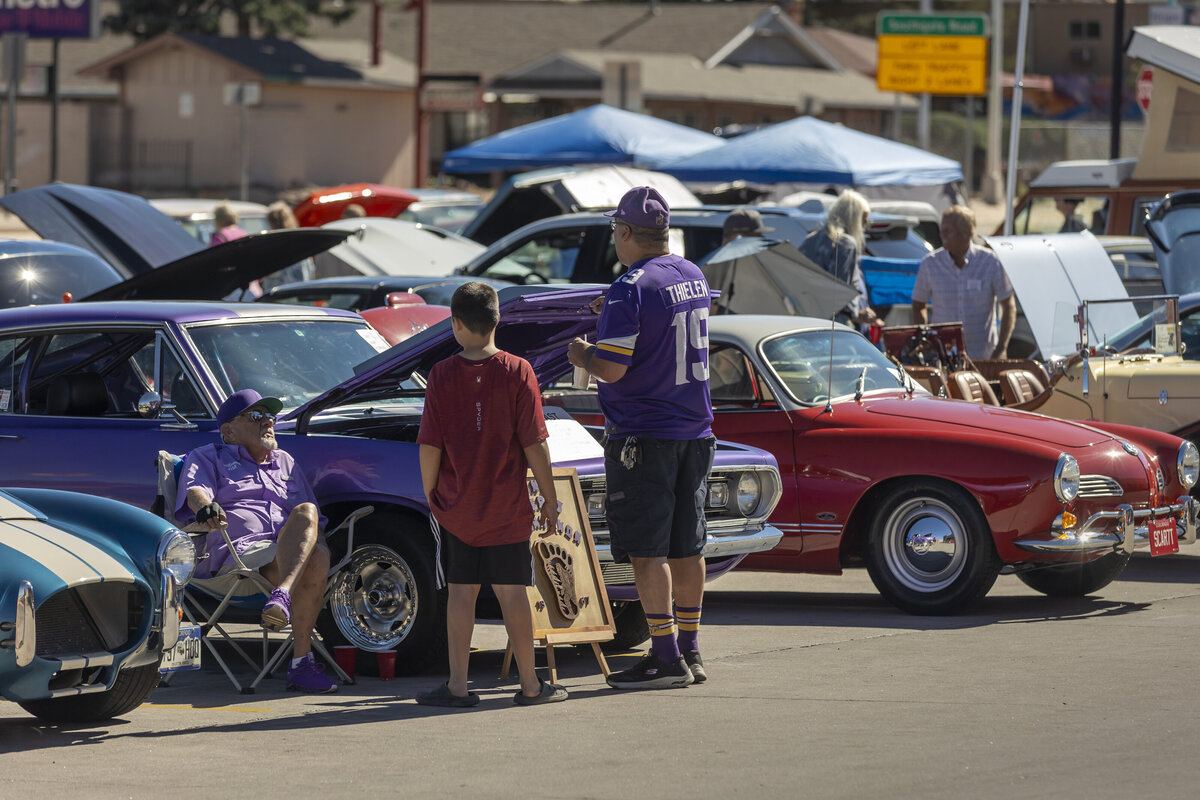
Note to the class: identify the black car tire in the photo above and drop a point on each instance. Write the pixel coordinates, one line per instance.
(1075, 580)
(908, 556)
(388, 556)
(129, 691)
(629, 619)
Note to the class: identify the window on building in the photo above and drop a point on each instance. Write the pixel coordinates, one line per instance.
(1083, 30)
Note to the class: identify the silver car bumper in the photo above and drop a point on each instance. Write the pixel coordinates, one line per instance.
(720, 542)
(1131, 530)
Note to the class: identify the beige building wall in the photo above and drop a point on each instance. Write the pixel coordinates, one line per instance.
(181, 133)
(33, 143)
(1066, 37)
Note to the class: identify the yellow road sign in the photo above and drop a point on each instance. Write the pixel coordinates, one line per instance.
(932, 54)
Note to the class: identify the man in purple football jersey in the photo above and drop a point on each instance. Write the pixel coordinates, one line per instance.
(651, 364)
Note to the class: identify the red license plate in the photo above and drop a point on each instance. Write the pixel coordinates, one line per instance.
(1162, 536)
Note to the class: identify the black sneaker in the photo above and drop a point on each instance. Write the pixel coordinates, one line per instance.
(651, 673)
(696, 665)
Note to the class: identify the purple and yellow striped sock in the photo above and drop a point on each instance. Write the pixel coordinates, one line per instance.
(689, 628)
(662, 637)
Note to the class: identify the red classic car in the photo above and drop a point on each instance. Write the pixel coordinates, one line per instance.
(935, 496)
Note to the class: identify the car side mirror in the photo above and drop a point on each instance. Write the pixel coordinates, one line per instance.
(149, 405)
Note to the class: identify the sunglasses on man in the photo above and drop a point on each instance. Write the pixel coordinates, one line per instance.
(257, 415)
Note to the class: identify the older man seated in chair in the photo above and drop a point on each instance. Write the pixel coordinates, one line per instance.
(249, 484)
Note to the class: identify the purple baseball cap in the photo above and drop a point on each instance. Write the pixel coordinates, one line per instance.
(243, 400)
(644, 207)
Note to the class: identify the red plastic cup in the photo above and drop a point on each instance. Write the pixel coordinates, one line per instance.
(387, 665)
(347, 657)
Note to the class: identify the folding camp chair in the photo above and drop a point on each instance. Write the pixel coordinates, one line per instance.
(239, 586)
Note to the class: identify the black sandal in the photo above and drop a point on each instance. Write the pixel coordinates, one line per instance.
(442, 696)
(550, 693)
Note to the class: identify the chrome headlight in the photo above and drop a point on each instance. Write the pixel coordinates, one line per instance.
(749, 493)
(718, 494)
(1066, 478)
(177, 556)
(1187, 464)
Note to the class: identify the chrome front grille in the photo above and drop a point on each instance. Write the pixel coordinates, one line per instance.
(95, 618)
(616, 574)
(1099, 486)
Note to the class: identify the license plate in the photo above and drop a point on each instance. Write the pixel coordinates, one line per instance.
(1163, 539)
(185, 654)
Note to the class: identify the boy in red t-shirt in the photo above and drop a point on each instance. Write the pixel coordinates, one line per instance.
(482, 425)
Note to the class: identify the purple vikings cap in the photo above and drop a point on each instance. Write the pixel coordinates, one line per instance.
(643, 207)
(246, 398)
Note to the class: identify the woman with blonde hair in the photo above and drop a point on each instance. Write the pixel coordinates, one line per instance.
(837, 247)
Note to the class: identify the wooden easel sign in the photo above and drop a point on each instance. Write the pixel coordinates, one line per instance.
(568, 599)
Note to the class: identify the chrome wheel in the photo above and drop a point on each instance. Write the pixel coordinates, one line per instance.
(925, 544)
(374, 599)
(929, 549)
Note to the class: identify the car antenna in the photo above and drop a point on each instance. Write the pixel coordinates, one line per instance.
(829, 376)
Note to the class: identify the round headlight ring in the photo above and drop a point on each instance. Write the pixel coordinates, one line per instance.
(177, 556)
(1187, 465)
(749, 493)
(1066, 478)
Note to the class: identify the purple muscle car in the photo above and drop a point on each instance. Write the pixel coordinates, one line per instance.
(89, 392)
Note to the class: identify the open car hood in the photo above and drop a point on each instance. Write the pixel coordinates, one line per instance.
(214, 272)
(534, 324)
(397, 247)
(1173, 226)
(123, 229)
(161, 260)
(1051, 275)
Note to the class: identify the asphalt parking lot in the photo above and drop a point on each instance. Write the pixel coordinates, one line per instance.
(817, 689)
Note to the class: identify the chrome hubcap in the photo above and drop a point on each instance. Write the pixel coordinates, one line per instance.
(924, 544)
(374, 599)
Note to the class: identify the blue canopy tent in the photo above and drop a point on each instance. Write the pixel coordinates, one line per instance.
(807, 150)
(597, 135)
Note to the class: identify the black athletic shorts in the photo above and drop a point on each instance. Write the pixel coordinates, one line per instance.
(491, 565)
(656, 508)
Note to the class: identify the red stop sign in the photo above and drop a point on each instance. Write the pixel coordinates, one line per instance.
(1145, 84)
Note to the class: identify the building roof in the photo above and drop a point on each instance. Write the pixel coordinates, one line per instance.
(326, 62)
(492, 38)
(668, 76)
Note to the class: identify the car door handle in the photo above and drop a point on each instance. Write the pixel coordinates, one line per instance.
(11, 436)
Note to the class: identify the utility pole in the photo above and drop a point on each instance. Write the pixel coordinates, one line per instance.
(992, 185)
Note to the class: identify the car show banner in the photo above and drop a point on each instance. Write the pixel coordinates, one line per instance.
(51, 19)
(568, 599)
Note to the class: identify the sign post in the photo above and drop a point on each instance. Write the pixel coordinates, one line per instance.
(45, 19)
(932, 53)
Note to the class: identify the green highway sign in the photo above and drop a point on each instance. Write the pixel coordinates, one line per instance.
(901, 24)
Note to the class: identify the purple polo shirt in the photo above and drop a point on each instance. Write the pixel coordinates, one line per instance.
(655, 321)
(257, 498)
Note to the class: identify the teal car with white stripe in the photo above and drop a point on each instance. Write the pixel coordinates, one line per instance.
(90, 600)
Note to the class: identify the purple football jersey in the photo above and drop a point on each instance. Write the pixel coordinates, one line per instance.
(655, 321)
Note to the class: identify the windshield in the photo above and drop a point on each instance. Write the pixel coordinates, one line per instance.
(1156, 331)
(294, 360)
(802, 362)
(1114, 323)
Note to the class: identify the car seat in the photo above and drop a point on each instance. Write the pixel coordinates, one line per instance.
(76, 394)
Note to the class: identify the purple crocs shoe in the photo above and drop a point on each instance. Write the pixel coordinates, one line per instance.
(309, 676)
(277, 613)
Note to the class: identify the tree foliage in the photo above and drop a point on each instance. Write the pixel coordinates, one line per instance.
(145, 19)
